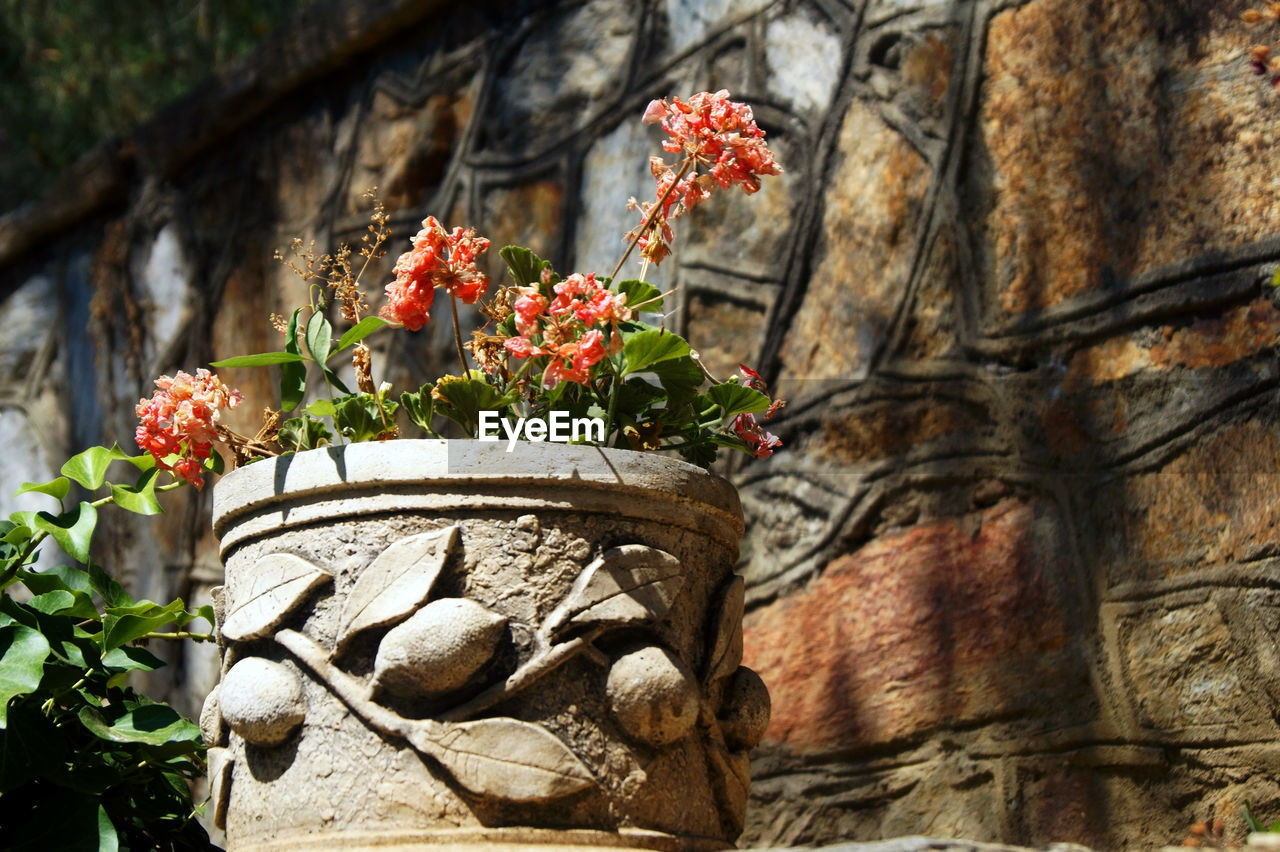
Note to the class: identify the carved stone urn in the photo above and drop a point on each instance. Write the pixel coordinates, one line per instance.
(437, 644)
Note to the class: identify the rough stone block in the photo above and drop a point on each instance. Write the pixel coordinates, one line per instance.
(953, 621)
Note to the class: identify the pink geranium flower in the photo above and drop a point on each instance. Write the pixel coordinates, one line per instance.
(180, 420)
(439, 258)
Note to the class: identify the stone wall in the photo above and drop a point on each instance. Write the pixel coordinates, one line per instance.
(1014, 577)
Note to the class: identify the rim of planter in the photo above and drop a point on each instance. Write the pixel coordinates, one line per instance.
(450, 475)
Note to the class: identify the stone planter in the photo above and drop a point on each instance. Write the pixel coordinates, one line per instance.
(431, 643)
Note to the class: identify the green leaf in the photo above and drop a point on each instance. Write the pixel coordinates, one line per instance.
(525, 266)
(122, 624)
(1275, 279)
(420, 408)
(737, 399)
(107, 839)
(73, 530)
(56, 489)
(89, 468)
(131, 658)
(22, 655)
(647, 297)
(319, 336)
(293, 376)
(680, 378)
(261, 359)
(111, 592)
(357, 418)
(61, 577)
(303, 433)
(334, 382)
(141, 497)
(650, 347)
(153, 724)
(464, 399)
(77, 605)
(321, 408)
(360, 331)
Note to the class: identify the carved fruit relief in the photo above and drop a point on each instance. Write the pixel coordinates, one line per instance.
(439, 648)
(744, 714)
(653, 695)
(262, 701)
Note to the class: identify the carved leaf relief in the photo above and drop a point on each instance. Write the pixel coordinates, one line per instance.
(396, 582)
(504, 758)
(726, 646)
(280, 582)
(630, 584)
(220, 763)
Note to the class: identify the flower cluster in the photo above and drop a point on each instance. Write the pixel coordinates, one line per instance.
(711, 132)
(577, 344)
(760, 442)
(439, 258)
(569, 327)
(180, 422)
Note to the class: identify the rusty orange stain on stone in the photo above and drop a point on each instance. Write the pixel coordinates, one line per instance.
(942, 623)
(1240, 333)
(1245, 331)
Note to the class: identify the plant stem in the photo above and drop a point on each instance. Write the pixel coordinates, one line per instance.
(181, 634)
(457, 333)
(652, 217)
(613, 404)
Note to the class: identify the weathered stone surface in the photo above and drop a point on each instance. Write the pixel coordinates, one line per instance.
(865, 254)
(1115, 152)
(567, 66)
(950, 622)
(802, 54)
(1214, 506)
(405, 151)
(544, 741)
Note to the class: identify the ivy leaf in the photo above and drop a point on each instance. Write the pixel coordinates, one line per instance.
(641, 295)
(22, 655)
(108, 841)
(61, 602)
(261, 359)
(737, 399)
(61, 577)
(123, 624)
(111, 592)
(360, 331)
(525, 266)
(319, 336)
(652, 346)
(89, 468)
(128, 658)
(73, 530)
(56, 489)
(293, 375)
(631, 584)
(280, 582)
(141, 497)
(395, 582)
(152, 724)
